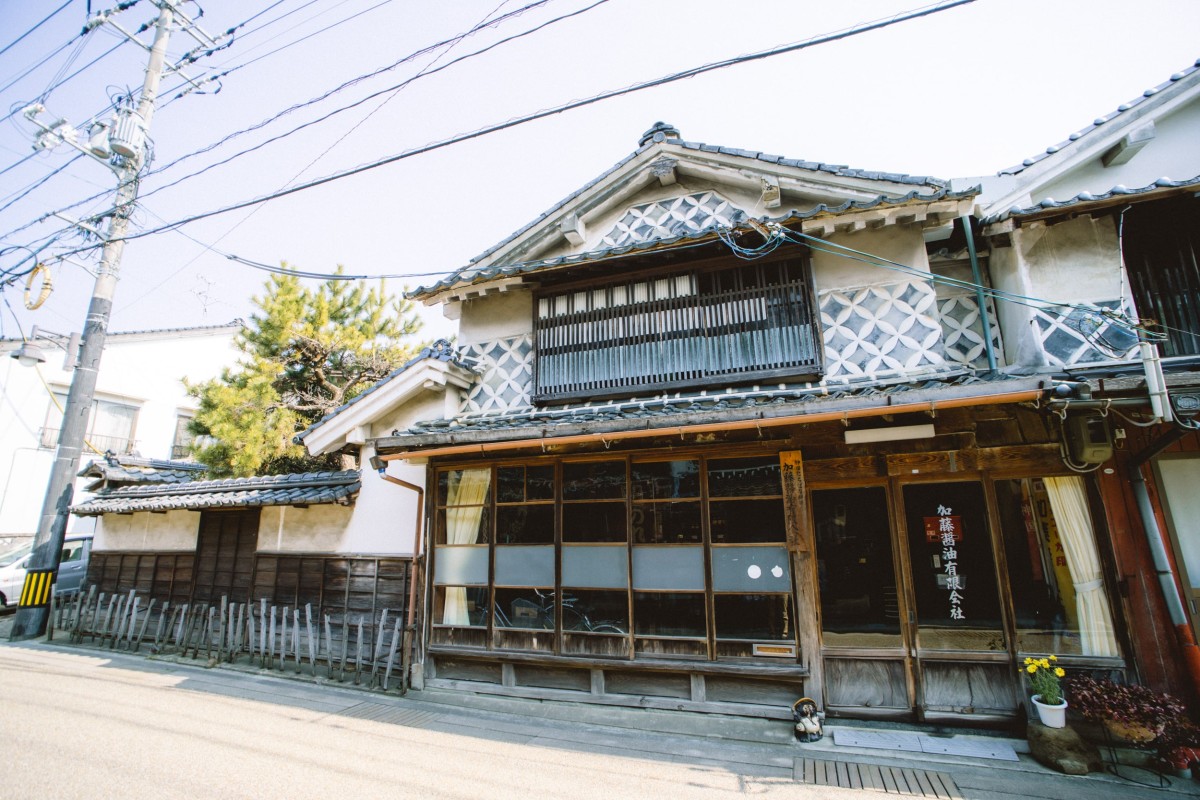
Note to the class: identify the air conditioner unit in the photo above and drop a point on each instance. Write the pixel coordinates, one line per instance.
(1089, 440)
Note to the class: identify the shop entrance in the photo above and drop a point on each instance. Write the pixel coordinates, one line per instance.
(930, 592)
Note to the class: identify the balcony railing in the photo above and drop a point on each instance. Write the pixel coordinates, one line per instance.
(117, 444)
(681, 330)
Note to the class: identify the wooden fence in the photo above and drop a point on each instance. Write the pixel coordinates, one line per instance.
(366, 650)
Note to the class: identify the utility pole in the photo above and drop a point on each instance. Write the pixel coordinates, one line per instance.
(34, 609)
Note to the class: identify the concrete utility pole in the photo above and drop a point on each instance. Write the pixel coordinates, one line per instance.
(34, 608)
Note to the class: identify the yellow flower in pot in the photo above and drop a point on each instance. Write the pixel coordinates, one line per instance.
(1045, 677)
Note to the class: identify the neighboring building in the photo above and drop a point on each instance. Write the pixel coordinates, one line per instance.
(141, 408)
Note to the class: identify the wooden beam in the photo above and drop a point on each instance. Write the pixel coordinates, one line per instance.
(800, 542)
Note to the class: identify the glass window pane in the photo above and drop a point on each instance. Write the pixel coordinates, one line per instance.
(525, 608)
(751, 569)
(669, 614)
(464, 487)
(594, 480)
(762, 617)
(464, 566)
(596, 611)
(461, 606)
(667, 523)
(594, 522)
(525, 524)
(744, 477)
(521, 483)
(741, 521)
(855, 570)
(465, 525)
(524, 565)
(954, 575)
(1042, 589)
(665, 480)
(679, 568)
(599, 567)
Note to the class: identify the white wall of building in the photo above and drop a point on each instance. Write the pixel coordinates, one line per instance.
(145, 370)
(143, 530)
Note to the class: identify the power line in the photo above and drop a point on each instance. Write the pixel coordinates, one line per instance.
(45, 19)
(342, 87)
(637, 87)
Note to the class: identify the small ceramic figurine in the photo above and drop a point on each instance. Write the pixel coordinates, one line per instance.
(808, 721)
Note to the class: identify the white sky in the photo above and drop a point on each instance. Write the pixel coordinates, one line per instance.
(969, 91)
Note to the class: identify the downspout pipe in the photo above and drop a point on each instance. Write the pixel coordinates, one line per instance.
(1162, 564)
(980, 298)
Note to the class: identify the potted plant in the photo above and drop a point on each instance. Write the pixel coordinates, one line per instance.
(1130, 713)
(1045, 676)
(1179, 746)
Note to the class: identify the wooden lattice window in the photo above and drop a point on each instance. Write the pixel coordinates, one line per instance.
(677, 330)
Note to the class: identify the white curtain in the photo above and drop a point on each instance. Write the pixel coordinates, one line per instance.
(463, 514)
(1068, 501)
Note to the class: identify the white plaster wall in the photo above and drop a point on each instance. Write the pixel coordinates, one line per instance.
(1071, 262)
(1173, 154)
(316, 529)
(427, 406)
(140, 369)
(497, 316)
(900, 243)
(173, 531)
(385, 514)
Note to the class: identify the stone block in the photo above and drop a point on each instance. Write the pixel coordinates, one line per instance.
(1063, 749)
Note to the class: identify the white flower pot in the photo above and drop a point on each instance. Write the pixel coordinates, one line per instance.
(1051, 716)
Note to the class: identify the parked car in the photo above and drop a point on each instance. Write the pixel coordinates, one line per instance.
(72, 569)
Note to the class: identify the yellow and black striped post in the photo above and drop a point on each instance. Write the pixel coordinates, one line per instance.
(36, 591)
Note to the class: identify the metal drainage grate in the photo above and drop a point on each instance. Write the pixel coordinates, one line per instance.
(378, 712)
(893, 780)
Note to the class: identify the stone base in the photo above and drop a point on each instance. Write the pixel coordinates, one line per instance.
(1063, 749)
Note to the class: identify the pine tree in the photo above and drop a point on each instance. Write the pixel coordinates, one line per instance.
(305, 352)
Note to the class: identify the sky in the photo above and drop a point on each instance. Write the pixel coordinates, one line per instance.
(966, 91)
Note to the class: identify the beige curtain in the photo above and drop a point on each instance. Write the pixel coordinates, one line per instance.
(463, 514)
(1068, 501)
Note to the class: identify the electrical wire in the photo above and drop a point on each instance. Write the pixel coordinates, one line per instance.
(23, 193)
(346, 85)
(45, 19)
(637, 87)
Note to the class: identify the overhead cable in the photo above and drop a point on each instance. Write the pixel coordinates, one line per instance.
(637, 87)
(45, 19)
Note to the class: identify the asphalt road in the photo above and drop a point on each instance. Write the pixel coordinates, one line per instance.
(78, 724)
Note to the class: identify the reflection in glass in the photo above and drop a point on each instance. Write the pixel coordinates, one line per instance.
(461, 606)
(594, 480)
(744, 477)
(665, 480)
(859, 605)
(532, 609)
(745, 521)
(669, 614)
(595, 611)
(521, 484)
(594, 522)
(667, 523)
(525, 524)
(954, 575)
(761, 617)
(466, 525)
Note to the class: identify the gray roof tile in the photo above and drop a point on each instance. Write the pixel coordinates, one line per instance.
(1099, 121)
(1084, 198)
(309, 488)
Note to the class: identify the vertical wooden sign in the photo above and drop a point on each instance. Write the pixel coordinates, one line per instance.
(800, 545)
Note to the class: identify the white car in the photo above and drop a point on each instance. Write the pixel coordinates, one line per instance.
(72, 569)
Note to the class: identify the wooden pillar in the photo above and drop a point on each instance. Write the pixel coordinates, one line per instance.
(804, 570)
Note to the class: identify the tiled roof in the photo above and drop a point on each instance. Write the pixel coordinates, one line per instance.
(128, 469)
(705, 407)
(309, 488)
(471, 275)
(235, 324)
(1104, 120)
(1084, 198)
(441, 350)
(662, 133)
